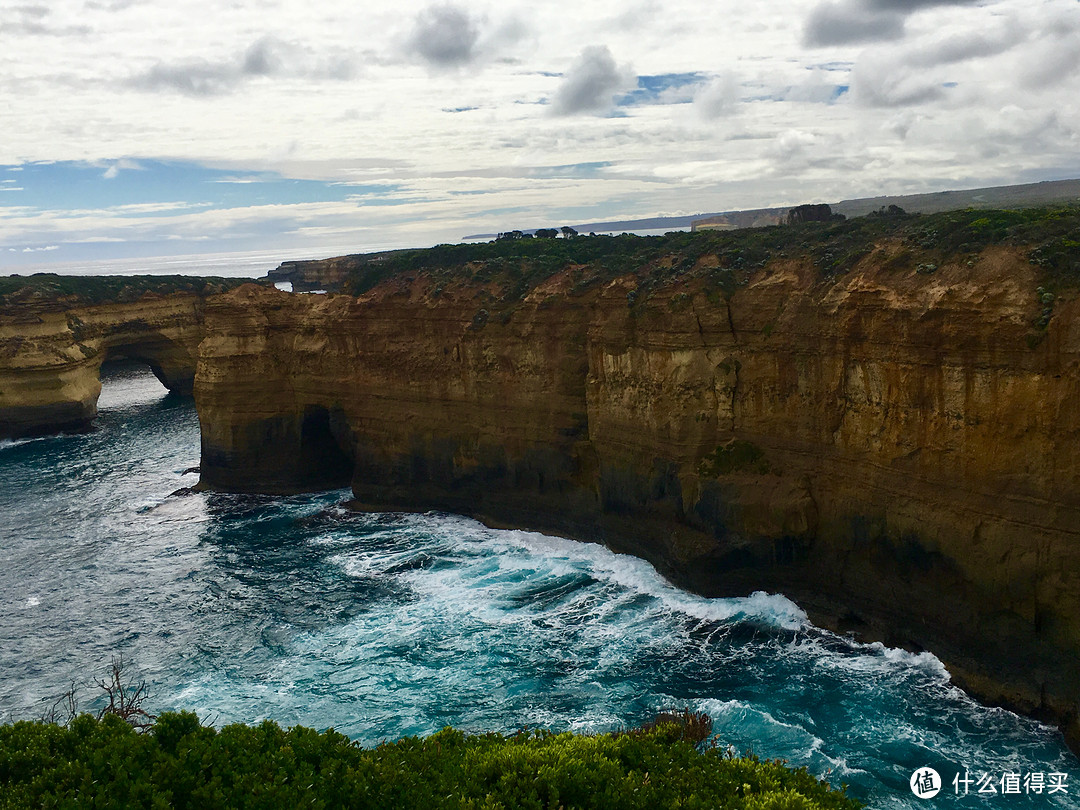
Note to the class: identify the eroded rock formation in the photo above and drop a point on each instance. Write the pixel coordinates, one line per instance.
(895, 450)
(51, 351)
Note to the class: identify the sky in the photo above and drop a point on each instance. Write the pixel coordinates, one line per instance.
(144, 128)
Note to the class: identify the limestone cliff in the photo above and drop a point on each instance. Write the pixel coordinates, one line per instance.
(893, 447)
(53, 342)
(320, 274)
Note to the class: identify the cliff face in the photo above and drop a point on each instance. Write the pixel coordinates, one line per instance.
(51, 353)
(892, 449)
(319, 274)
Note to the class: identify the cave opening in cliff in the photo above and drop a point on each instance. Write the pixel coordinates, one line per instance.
(326, 447)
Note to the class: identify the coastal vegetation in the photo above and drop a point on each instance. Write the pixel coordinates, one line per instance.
(123, 756)
(40, 287)
(180, 763)
(1050, 235)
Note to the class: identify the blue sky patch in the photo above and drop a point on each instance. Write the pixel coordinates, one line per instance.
(156, 188)
(650, 89)
(593, 169)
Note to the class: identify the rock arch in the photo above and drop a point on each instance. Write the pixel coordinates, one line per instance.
(50, 359)
(172, 361)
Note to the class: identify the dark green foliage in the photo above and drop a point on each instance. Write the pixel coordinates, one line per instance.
(106, 289)
(182, 764)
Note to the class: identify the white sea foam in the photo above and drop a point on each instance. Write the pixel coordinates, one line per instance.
(562, 556)
(6, 444)
(873, 659)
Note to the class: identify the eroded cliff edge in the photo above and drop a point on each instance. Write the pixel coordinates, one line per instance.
(55, 333)
(893, 446)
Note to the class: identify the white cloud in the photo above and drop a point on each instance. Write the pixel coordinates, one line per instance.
(718, 97)
(116, 166)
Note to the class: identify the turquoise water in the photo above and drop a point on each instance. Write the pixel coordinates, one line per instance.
(292, 608)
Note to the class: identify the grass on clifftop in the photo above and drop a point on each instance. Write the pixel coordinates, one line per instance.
(1050, 235)
(48, 287)
(180, 763)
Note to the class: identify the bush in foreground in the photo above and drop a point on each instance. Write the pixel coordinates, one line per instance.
(180, 763)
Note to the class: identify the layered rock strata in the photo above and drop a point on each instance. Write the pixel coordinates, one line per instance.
(51, 353)
(894, 450)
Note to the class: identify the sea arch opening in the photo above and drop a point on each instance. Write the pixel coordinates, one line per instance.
(172, 362)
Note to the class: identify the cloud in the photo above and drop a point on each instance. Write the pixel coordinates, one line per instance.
(719, 97)
(960, 46)
(968, 57)
(1056, 57)
(267, 57)
(31, 12)
(850, 22)
(117, 165)
(910, 6)
(885, 82)
(901, 123)
(32, 20)
(192, 78)
(793, 145)
(757, 102)
(445, 36)
(591, 83)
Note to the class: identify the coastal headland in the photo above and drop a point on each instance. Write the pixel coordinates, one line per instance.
(876, 417)
(56, 331)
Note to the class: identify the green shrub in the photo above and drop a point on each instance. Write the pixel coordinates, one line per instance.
(183, 764)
